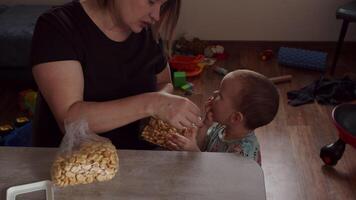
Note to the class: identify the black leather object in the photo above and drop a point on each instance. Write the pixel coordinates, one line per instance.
(347, 12)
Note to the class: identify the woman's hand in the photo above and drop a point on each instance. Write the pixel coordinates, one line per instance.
(166, 87)
(186, 142)
(180, 112)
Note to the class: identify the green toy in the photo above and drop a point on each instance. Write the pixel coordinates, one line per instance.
(188, 86)
(27, 101)
(179, 79)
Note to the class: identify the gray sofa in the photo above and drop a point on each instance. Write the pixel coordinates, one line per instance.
(3, 8)
(17, 24)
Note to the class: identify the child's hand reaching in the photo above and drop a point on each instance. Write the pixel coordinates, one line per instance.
(193, 138)
(208, 120)
(188, 142)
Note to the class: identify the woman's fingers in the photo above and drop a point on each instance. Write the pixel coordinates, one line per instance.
(193, 115)
(178, 125)
(194, 108)
(180, 112)
(195, 121)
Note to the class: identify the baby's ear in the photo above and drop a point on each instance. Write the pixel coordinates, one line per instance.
(237, 117)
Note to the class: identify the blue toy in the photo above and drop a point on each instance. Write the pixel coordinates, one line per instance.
(221, 71)
(18, 137)
(313, 60)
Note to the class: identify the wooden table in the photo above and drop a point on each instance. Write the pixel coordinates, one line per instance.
(144, 175)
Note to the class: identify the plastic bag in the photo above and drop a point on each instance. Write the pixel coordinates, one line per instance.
(83, 157)
(158, 131)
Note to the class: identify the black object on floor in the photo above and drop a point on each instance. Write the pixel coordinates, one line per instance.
(344, 119)
(347, 13)
(324, 91)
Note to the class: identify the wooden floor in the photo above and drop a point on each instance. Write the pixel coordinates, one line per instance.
(290, 144)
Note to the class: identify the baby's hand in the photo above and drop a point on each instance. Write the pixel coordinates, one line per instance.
(208, 120)
(186, 142)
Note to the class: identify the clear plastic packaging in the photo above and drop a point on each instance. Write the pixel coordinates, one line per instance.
(158, 131)
(83, 157)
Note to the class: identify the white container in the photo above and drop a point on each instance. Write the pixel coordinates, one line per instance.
(12, 192)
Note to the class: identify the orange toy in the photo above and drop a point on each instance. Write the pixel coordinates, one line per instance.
(266, 55)
(189, 64)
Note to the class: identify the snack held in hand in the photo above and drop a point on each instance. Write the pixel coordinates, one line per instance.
(158, 131)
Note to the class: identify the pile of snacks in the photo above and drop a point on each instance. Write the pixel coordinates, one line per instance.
(93, 161)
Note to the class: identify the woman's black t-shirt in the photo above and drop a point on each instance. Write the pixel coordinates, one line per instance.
(112, 70)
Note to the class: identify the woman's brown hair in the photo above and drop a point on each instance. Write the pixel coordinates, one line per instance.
(165, 28)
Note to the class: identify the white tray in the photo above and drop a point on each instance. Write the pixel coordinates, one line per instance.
(12, 192)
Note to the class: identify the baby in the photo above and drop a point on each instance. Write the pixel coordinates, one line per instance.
(245, 101)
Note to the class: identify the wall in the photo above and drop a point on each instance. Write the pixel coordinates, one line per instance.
(255, 20)
(50, 2)
(272, 20)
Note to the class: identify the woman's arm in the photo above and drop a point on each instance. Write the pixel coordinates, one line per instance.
(164, 81)
(62, 85)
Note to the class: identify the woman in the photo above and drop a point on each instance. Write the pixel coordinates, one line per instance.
(103, 60)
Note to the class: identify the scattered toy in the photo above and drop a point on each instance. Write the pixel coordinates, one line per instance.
(281, 79)
(221, 71)
(266, 55)
(179, 79)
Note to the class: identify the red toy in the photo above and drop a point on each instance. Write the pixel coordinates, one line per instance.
(266, 55)
(189, 64)
(221, 56)
(344, 119)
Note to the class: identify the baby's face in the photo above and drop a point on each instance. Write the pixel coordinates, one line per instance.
(221, 103)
